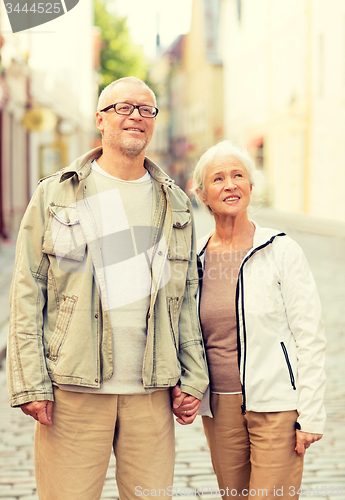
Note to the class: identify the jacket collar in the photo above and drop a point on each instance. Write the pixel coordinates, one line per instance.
(157, 173)
(82, 167)
(262, 235)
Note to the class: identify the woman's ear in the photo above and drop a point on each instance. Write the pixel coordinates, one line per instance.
(201, 195)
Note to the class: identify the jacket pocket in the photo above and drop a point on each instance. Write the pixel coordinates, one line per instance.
(180, 243)
(173, 311)
(64, 236)
(292, 378)
(63, 323)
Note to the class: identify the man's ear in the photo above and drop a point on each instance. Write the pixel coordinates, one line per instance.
(99, 121)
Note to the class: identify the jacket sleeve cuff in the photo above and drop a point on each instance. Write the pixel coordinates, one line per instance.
(309, 427)
(29, 398)
(191, 391)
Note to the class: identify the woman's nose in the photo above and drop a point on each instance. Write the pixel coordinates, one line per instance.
(229, 184)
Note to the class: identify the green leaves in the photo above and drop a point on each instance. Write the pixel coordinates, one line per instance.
(120, 56)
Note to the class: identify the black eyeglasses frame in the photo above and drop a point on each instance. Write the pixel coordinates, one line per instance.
(134, 107)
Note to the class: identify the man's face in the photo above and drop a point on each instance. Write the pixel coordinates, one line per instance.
(128, 134)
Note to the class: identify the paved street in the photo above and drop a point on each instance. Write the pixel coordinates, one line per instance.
(6, 271)
(324, 471)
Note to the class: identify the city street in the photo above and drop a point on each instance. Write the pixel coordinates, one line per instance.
(324, 470)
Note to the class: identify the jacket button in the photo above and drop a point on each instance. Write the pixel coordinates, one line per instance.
(48, 354)
(160, 252)
(148, 315)
(64, 298)
(96, 316)
(188, 211)
(96, 380)
(178, 224)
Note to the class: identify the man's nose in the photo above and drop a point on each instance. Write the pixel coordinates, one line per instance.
(135, 114)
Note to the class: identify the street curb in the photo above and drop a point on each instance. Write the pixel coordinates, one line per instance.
(300, 222)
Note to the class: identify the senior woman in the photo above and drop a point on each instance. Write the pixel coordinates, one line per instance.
(261, 320)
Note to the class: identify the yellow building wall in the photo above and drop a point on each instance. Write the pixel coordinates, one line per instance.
(284, 81)
(204, 89)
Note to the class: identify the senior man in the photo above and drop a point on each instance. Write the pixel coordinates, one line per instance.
(103, 318)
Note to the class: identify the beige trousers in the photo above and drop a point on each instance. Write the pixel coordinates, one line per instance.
(72, 455)
(253, 454)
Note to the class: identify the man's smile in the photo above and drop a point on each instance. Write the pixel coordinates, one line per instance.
(133, 129)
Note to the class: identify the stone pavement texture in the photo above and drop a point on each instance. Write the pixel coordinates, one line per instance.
(7, 249)
(324, 470)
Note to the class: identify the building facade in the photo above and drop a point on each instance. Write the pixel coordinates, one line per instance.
(192, 96)
(270, 76)
(47, 114)
(284, 80)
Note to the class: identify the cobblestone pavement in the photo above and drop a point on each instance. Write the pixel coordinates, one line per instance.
(324, 470)
(6, 271)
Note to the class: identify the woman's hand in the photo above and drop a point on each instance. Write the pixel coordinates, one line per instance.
(304, 440)
(185, 407)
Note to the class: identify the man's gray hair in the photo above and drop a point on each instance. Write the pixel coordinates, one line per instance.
(130, 79)
(224, 149)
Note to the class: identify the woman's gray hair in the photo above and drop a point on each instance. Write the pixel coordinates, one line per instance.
(224, 149)
(130, 79)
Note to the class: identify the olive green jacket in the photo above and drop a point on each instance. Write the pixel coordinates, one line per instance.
(59, 326)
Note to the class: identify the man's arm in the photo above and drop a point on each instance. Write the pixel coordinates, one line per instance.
(27, 376)
(194, 377)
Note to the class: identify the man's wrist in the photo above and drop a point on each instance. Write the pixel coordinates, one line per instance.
(191, 391)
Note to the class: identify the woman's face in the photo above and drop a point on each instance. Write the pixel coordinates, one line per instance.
(227, 187)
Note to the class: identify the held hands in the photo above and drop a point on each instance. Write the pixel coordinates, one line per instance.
(40, 411)
(304, 440)
(185, 407)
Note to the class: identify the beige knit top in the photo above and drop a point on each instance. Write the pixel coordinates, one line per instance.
(218, 319)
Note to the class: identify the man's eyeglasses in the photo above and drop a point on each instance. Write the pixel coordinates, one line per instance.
(124, 108)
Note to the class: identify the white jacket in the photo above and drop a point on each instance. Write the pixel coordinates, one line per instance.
(280, 330)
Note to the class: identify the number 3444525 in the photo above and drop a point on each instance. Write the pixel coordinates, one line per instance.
(40, 8)
(317, 491)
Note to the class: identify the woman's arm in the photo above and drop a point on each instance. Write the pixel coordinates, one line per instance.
(303, 310)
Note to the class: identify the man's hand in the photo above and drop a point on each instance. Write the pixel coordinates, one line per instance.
(304, 440)
(185, 407)
(40, 411)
